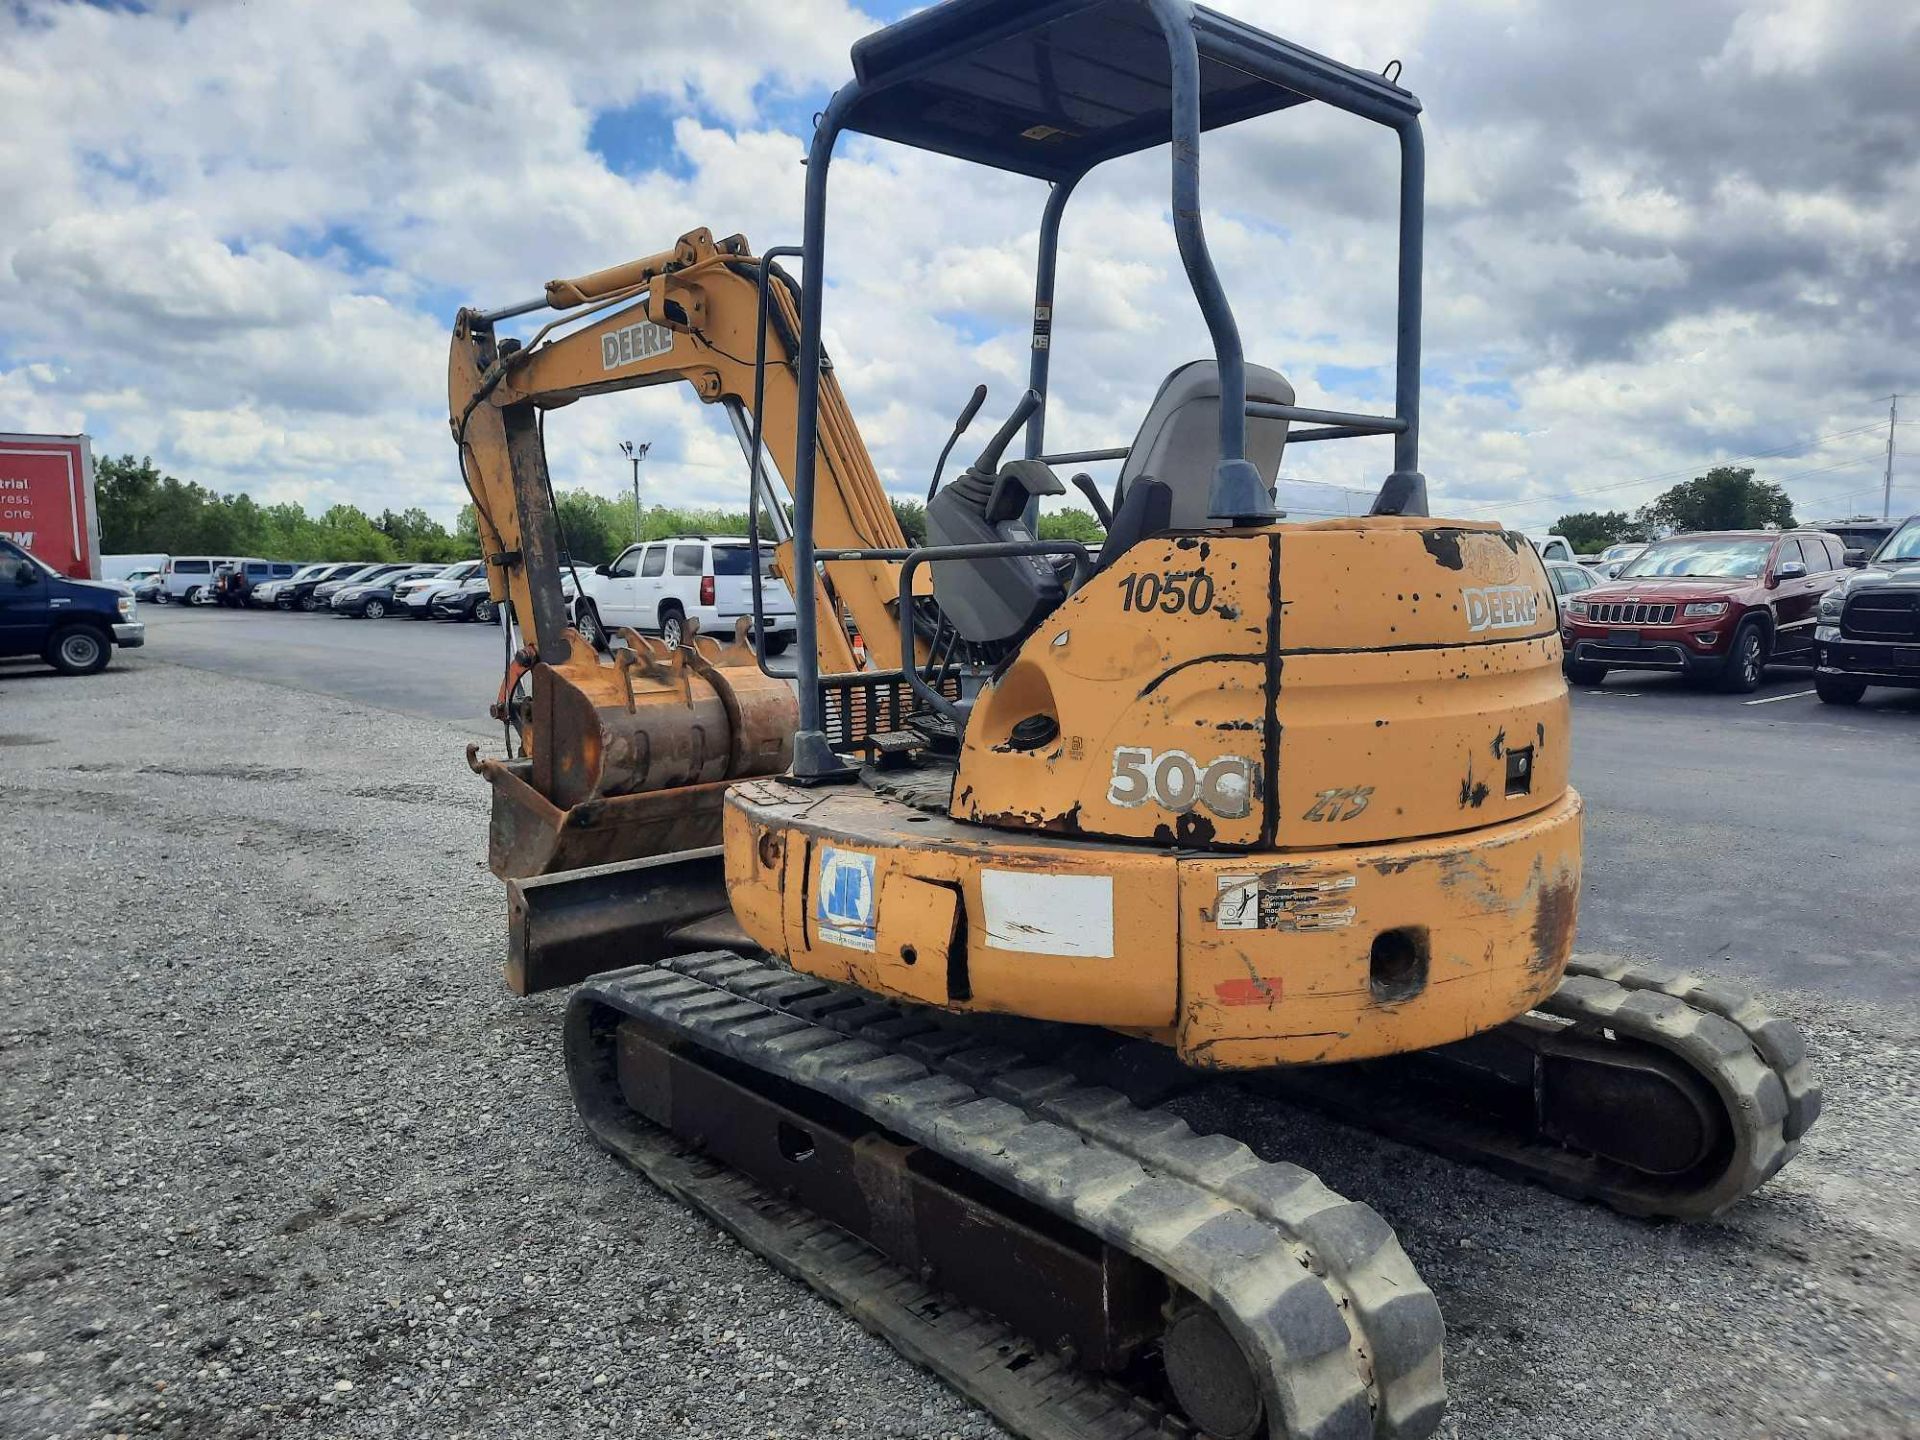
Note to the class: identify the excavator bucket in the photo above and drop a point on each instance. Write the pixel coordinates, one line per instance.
(633, 753)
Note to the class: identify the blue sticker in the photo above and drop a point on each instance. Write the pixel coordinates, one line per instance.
(846, 902)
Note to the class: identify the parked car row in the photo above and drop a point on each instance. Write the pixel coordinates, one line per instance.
(660, 586)
(356, 589)
(1721, 607)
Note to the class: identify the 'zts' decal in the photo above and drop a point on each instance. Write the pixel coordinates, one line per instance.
(1335, 805)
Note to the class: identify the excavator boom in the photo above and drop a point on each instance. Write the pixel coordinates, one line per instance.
(687, 315)
(624, 751)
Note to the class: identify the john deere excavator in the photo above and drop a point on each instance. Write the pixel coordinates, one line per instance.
(900, 972)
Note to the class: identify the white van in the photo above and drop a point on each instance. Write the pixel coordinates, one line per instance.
(188, 578)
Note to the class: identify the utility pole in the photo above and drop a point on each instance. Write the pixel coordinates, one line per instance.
(635, 453)
(1886, 490)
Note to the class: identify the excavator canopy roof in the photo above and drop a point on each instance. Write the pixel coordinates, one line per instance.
(1052, 89)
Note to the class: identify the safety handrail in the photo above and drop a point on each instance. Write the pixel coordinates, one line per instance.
(1339, 425)
(911, 560)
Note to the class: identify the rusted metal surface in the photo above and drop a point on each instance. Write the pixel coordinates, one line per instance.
(562, 928)
(654, 718)
(530, 835)
(630, 756)
(1238, 961)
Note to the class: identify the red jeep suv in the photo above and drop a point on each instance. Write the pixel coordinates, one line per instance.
(1720, 606)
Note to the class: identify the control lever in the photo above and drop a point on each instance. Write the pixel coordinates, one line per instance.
(960, 428)
(989, 460)
(1083, 482)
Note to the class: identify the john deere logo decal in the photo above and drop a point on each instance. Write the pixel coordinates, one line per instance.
(845, 903)
(634, 342)
(1501, 607)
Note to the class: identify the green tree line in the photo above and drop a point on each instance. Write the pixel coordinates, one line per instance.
(143, 511)
(1727, 497)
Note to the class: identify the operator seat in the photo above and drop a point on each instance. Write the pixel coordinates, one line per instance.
(993, 600)
(1179, 441)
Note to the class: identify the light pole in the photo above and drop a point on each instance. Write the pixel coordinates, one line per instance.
(635, 453)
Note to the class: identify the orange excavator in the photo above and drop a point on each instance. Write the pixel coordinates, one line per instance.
(900, 972)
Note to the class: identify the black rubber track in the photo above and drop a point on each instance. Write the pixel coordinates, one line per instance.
(1316, 1288)
(1754, 1062)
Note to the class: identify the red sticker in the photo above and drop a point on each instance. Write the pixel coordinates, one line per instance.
(1261, 990)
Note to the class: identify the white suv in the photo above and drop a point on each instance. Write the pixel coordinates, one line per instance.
(662, 584)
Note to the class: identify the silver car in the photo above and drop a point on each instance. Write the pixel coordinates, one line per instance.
(1614, 558)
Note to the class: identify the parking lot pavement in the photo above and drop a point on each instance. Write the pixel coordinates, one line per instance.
(282, 1159)
(1768, 838)
(436, 670)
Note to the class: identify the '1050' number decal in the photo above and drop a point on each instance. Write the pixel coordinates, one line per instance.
(1174, 593)
(1174, 780)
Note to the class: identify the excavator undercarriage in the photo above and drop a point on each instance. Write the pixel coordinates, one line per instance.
(908, 970)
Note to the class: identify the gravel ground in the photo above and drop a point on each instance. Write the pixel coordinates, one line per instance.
(280, 1156)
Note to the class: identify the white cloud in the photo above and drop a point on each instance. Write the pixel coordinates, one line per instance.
(235, 236)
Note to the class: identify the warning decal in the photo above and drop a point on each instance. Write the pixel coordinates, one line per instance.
(1284, 899)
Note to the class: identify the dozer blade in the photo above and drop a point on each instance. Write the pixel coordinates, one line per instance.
(562, 928)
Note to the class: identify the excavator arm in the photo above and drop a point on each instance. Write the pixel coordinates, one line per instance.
(688, 315)
(627, 750)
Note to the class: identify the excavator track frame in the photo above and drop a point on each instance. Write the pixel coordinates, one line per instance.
(1753, 1062)
(1345, 1341)
(1079, 1123)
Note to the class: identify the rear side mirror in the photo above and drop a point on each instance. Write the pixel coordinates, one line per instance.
(603, 570)
(23, 574)
(1792, 570)
(1856, 559)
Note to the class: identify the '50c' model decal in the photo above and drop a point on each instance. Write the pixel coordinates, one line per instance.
(1174, 780)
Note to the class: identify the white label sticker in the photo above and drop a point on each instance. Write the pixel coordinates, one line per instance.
(1500, 607)
(633, 342)
(846, 900)
(1048, 914)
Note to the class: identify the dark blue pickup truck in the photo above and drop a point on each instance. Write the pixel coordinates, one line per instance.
(71, 624)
